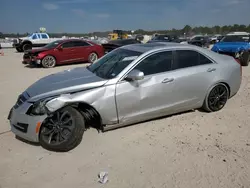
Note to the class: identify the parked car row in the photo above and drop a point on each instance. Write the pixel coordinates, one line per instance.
(129, 84)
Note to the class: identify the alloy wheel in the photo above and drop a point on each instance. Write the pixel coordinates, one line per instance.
(58, 128)
(93, 57)
(49, 62)
(217, 97)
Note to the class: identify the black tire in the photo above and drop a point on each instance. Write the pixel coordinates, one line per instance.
(19, 49)
(26, 47)
(245, 58)
(51, 133)
(217, 96)
(92, 57)
(49, 61)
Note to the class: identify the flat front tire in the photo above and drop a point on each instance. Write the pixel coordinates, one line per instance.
(49, 61)
(216, 98)
(62, 131)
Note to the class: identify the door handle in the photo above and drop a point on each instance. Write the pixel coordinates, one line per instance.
(211, 69)
(167, 80)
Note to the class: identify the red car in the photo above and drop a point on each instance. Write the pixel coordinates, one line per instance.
(64, 52)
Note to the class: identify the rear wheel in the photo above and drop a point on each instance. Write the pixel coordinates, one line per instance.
(245, 58)
(216, 98)
(27, 47)
(49, 61)
(92, 57)
(63, 131)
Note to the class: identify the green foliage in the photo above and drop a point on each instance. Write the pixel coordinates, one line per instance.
(188, 30)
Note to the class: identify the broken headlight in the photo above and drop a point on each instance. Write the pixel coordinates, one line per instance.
(39, 107)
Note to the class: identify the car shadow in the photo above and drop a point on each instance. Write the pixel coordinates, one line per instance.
(26, 141)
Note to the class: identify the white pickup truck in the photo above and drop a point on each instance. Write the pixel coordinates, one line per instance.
(32, 40)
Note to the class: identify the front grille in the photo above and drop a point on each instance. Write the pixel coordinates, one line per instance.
(20, 100)
(23, 127)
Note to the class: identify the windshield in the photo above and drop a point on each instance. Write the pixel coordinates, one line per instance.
(113, 63)
(236, 38)
(52, 44)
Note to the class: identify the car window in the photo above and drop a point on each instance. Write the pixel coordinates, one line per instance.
(156, 63)
(110, 65)
(34, 36)
(204, 60)
(44, 36)
(80, 43)
(236, 38)
(186, 58)
(68, 45)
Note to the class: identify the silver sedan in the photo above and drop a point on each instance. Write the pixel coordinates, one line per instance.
(131, 84)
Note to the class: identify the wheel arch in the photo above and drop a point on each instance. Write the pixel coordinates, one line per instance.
(91, 116)
(26, 42)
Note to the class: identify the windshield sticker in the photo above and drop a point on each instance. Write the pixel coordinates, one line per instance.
(131, 58)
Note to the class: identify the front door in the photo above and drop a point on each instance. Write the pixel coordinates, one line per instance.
(150, 97)
(67, 53)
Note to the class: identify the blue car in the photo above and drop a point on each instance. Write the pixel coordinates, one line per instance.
(236, 45)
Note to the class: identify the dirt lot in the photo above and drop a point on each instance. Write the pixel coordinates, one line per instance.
(189, 150)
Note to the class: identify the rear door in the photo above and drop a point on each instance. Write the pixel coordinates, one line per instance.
(83, 49)
(193, 74)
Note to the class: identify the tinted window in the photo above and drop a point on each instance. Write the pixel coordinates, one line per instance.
(204, 60)
(236, 38)
(156, 63)
(186, 58)
(44, 36)
(68, 45)
(34, 36)
(80, 43)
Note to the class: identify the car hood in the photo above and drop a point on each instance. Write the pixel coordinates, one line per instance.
(230, 46)
(68, 81)
(36, 51)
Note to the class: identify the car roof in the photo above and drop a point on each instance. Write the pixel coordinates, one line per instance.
(156, 45)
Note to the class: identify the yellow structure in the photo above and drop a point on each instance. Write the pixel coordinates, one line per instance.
(117, 34)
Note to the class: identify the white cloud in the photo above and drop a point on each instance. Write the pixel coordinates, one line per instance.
(78, 12)
(50, 6)
(102, 15)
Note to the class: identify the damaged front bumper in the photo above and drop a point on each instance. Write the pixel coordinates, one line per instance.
(24, 125)
(27, 59)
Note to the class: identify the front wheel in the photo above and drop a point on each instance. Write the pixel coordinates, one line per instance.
(49, 61)
(217, 98)
(63, 131)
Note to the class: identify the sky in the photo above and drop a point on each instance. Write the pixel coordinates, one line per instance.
(82, 16)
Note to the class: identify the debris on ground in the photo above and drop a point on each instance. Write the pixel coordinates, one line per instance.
(103, 177)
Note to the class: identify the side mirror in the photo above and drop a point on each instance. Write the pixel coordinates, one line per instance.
(135, 75)
(60, 47)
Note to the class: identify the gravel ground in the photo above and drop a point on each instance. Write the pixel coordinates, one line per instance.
(195, 149)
